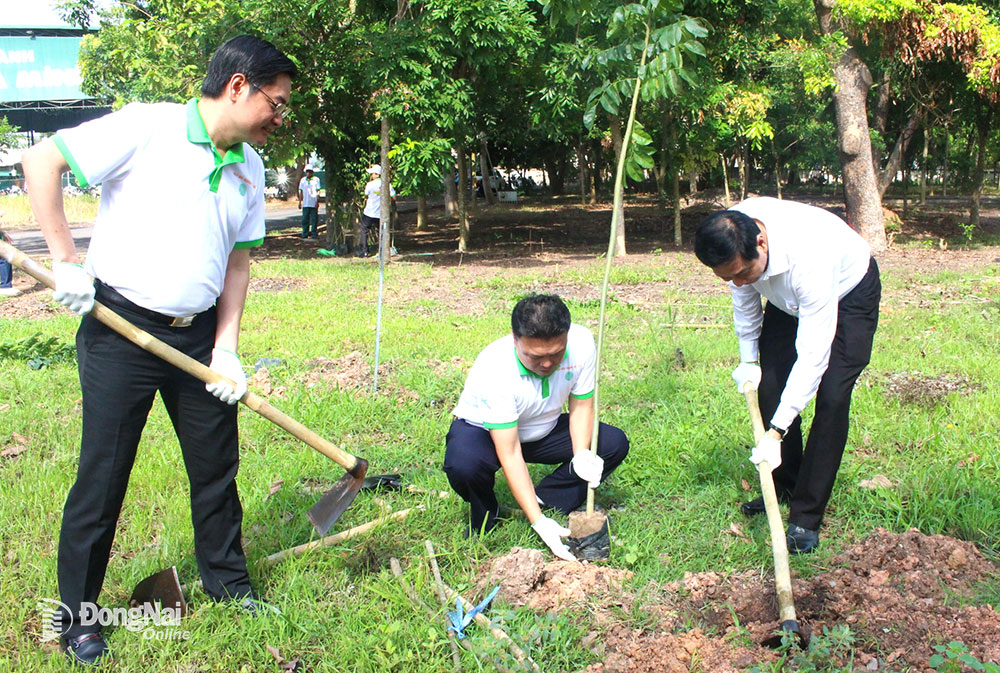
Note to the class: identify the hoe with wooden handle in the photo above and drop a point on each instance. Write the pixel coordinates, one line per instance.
(782, 575)
(333, 503)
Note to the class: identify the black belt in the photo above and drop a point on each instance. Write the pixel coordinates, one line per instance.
(110, 296)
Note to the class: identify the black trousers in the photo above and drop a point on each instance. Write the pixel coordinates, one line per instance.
(367, 224)
(471, 463)
(310, 221)
(806, 477)
(119, 381)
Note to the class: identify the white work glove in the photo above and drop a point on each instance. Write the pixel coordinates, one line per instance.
(74, 287)
(747, 372)
(228, 364)
(769, 449)
(552, 534)
(588, 467)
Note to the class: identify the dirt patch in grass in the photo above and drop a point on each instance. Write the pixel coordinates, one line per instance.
(922, 389)
(277, 284)
(899, 594)
(353, 373)
(33, 303)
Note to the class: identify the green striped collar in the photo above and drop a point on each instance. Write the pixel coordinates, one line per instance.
(198, 134)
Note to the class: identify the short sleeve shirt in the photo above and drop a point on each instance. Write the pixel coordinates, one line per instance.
(172, 209)
(373, 196)
(501, 393)
(310, 191)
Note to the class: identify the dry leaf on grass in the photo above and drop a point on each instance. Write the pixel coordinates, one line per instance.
(878, 481)
(13, 450)
(737, 530)
(4, 407)
(275, 487)
(745, 484)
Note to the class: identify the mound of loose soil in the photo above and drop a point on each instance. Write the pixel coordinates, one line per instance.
(900, 594)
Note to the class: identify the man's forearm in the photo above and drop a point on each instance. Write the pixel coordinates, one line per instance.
(231, 301)
(43, 167)
(581, 423)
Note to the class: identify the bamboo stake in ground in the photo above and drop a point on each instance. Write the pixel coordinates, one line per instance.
(583, 524)
(452, 638)
(497, 632)
(418, 602)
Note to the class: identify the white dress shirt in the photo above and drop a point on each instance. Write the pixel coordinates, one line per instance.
(814, 260)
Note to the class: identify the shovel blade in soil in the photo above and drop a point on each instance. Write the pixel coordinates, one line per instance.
(789, 627)
(161, 590)
(335, 501)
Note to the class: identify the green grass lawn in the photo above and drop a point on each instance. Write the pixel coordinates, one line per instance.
(678, 491)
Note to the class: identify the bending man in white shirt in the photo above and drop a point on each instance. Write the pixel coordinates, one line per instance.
(814, 338)
(510, 413)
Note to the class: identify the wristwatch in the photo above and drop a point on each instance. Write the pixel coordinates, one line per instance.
(781, 432)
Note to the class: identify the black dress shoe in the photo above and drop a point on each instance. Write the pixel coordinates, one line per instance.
(87, 649)
(753, 507)
(756, 506)
(801, 540)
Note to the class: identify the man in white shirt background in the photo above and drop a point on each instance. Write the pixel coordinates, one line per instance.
(814, 338)
(309, 203)
(373, 208)
(510, 414)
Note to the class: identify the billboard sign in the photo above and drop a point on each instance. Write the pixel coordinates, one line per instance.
(39, 69)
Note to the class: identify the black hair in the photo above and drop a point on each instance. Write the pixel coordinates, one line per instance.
(540, 316)
(258, 59)
(723, 235)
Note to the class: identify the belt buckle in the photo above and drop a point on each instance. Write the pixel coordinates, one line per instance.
(183, 321)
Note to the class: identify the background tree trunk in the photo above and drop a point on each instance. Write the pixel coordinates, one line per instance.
(450, 190)
(725, 180)
(744, 172)
(486, 171)
(923, 163)
(947, 154)
(463, 215)
(421, 213)
(888, 174)
(864, 205)
(777, 166)
(581, 161)
(983, 119)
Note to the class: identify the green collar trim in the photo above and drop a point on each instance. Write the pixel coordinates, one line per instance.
(198, 134)
(524, 371)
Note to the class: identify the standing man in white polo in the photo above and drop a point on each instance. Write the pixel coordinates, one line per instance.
(511, 413)
(373, 207)
(309, 203)
(174, 261)
(814, 338)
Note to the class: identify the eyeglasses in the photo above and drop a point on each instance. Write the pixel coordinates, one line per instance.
(279, 109)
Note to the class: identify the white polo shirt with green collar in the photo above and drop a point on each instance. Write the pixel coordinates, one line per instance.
(172, 209)
(501, 393)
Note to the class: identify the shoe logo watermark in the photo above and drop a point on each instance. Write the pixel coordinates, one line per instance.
(152, 621)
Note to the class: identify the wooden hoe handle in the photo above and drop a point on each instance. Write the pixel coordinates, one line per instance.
(185, 363)
(779, 549)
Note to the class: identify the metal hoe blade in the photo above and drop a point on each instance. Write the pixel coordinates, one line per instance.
(333, 503)
(162, 590)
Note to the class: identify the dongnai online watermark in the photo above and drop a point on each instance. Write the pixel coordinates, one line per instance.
(154, 622)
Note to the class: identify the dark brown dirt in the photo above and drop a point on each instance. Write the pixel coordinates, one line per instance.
(900, 594)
